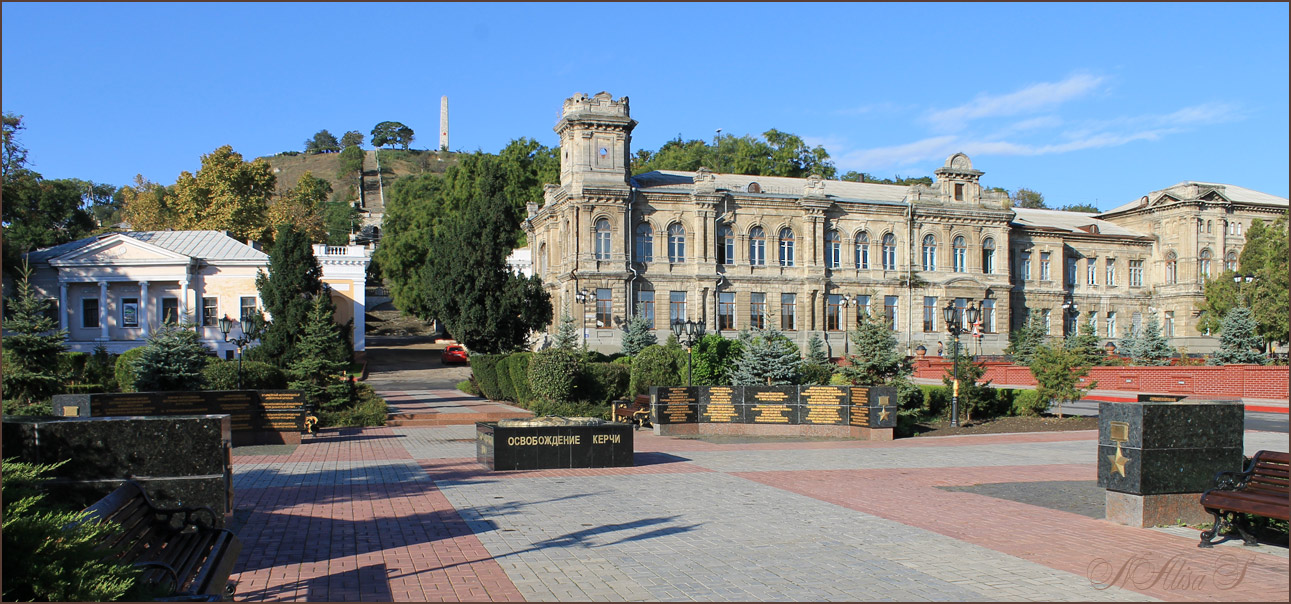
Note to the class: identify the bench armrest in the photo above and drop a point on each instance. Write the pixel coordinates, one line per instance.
(1231, 481)
(190, 512)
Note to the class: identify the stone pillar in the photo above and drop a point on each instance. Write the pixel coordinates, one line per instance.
(183, 298)
(1155, 458)
(62, 306)
(103, 310)
(143, 308)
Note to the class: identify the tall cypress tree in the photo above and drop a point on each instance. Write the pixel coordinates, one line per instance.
(294, 278)
(31, 352)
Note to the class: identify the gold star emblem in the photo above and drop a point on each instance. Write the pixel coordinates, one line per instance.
(1118, 461)
(883, 414)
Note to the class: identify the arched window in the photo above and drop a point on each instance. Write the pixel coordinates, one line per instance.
(929, 253)
(725, 244)
(889, 252)
(960, 254)
(645, 243)
(676, 243)
(1205, 264)
(1171, 266)
(542, 260)
(757, 247)
(602, 239)
(786, 247)
(834, 249)
(862, 250)
(1230, 260)
(988, 256)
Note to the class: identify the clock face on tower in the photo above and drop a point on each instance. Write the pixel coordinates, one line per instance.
(604, 151)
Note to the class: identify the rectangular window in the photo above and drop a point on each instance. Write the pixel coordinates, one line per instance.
(604, 308)
(1111, 272)
(832, 304)
(1136, 324)
(1091, 271)
(788, 312)
(1111, 324)
(248, 304)
(1026, 266)
(929, 314)
(129, 312)
(210, 311)
(89, 312)
(862, 308)
(645, 300)
(890, 311)
(1169, 323)
(676, 306)
(1048, 328)
(1136, 273)
(726, 310)
(1044, 266)
(988, 316)
(758, 310)
(1071, 271)
(959, 192)
(169, 311)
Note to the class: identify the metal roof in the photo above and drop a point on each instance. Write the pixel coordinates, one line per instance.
(678, 180)
(204, 245)
(1068, 221)
(1233, 192)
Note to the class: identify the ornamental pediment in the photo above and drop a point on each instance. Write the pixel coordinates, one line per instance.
(119, 250)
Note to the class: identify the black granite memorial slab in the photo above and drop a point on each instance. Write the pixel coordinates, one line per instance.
(1157, 448)
(770, 405)
(538, 447)
(720, 404)
(824, 405)
(674, 405)
(884, 405)
(258, 417)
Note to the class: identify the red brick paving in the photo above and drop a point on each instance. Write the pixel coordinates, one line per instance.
(339, 444)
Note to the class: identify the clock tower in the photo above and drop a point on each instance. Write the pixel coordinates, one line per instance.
(595, 142)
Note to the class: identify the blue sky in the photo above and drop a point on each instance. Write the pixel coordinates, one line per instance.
(1084, 103)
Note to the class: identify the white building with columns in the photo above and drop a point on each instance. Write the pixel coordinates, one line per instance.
(115, 289)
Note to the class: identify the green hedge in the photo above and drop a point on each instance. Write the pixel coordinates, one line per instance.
(468, 387)
(223, 375)
(484, 368)
(1028, 402)
(657, 366)
(602, 383)
(553, 373)
(505, 385)
(810, 373)
(71, 365)
(126, 369)
(518, 364)
(368, 409)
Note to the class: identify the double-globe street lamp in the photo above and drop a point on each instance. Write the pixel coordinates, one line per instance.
(953, 324)
(582, 296)
(226, 325)
(688, 332)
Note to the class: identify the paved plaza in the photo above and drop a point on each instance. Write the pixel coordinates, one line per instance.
(406, 514)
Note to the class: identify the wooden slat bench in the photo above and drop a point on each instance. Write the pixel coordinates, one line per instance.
(177, 548)
(1260, 490)
(637, 412)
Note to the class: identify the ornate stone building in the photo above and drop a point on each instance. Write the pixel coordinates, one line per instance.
(807, 256)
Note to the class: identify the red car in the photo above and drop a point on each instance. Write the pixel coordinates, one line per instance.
(453, 353)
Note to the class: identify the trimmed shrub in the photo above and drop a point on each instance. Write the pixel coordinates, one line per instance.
(809, 374)
(1029, 403)
(625, 361)
(570, 409)
(127, 368)
(657, 366)
(101, 369)
(223, 375)
(519, 366)
(592, 356)
(552, 374)
(468, 387)
(505, 385)
(369, 409)
(602, 383)
(484, 368)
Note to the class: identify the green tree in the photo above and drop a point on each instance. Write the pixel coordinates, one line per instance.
(147, 206)
(173, 359)
(352, 138)
(567, 336)
(767, 358)
(322, 142)
(774, 154)
(1220, 295)
(1081, 207)
(1084, 343)
(391, 133)
(40, 213)
(714, 359)
(1026, 198)
(303, 207)
(974, 394)
(31, 349)
(350, 164)
(1265, 256)
(316, 369)
(1024, 341)
(854, 176)
(657, 366)
(466, 282)
(1153, 348)
(1057, 373)
(816, 354)
(13, 157)
(874, 360)
(294, 278)
(1239, 342)
(638, 334)
(226, 194)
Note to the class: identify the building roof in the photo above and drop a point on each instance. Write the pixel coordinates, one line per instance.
(678, 180)
(1071, 222)
(1232, 192)
(205, 245)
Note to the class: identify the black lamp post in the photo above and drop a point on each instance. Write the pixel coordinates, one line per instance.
(955, 327)
(226, 325)
(582, 297)
(688, 332)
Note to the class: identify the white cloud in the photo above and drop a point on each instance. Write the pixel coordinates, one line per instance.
(1032, 98)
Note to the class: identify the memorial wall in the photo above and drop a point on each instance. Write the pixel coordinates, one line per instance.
(857, 411)
(259, 417)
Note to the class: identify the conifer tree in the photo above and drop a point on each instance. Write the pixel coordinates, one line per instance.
(316, 371)
(567, 335)
(294, 278)
(1057, 373)
(31, 352)
(816, 351)
(1153, 348)
(768, 358)
(874, 359)
(974, 393)
(1084, 343)
(1239, 340)
(1023, 342)
(173, 359)
(637, 334)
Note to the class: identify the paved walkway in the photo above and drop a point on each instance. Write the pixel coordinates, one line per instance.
(406, 514)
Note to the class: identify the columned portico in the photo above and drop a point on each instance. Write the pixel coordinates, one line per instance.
(103, 310)
(62, 306)
(143, 308)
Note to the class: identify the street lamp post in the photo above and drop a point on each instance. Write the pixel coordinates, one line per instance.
(847, 301)
(1070, 313)
(226, 325)
(955, 327)
(582, 297)
(688, 332)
